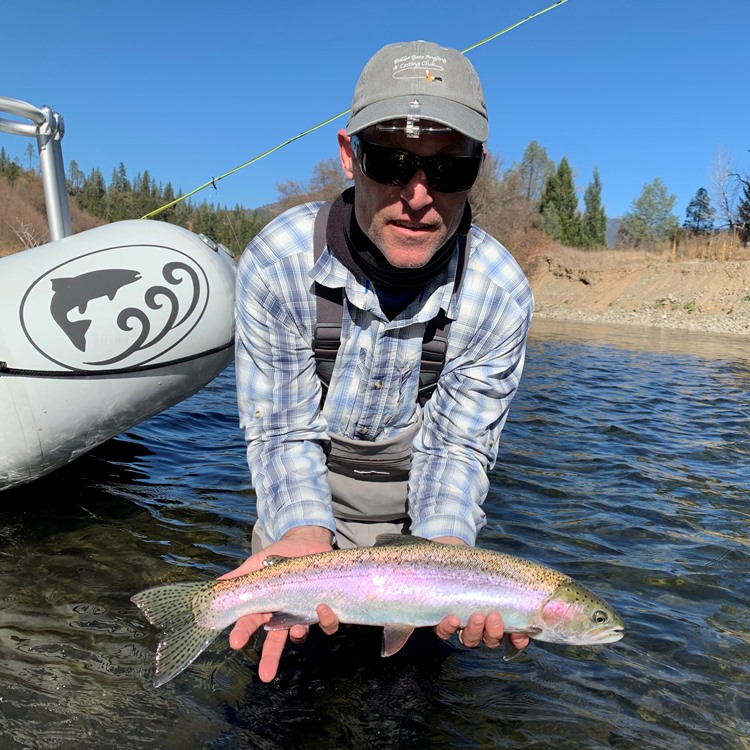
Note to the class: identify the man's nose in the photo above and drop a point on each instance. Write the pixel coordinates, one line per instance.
(417, 192)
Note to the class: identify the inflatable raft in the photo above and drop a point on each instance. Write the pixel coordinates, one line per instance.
(101, 330)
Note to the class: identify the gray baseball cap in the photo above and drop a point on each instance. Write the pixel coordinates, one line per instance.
(422, 80)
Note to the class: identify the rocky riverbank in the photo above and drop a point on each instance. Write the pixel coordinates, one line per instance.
(638, 289)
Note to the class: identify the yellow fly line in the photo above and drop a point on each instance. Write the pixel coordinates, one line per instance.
(214, 180)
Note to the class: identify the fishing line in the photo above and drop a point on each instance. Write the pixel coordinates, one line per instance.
(212, 182)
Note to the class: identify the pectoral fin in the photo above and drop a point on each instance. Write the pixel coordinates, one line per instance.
(394, 637)
(511, 652)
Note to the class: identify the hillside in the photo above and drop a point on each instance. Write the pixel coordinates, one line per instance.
(23, 215)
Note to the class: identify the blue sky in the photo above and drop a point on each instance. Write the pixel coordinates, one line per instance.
(190, 90)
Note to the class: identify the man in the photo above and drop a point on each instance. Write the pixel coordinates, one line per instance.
(403, 260)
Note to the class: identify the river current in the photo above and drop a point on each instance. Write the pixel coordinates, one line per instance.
(625, 464)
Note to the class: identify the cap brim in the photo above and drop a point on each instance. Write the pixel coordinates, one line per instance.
(434, 108)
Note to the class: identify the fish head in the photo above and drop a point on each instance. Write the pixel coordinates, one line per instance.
(576, 616)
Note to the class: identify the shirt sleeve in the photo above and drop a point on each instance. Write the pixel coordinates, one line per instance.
(459, 440)
(278, 394)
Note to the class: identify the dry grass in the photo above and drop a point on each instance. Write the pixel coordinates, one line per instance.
(722, 247)
(23, 215)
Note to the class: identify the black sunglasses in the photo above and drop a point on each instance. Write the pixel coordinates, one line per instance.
(389, 166)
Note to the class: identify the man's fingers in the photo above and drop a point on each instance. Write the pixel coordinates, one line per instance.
(479, 629)
(519, 640)
(447, 627)
(471, 635)
(298, 634)
(327, 619)
(244, 628)
(270, 657)
(493, 630)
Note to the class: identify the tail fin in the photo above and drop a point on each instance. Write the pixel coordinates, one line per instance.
(170, 608)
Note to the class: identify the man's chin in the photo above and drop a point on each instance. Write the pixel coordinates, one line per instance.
(409, 260)
(404, 255)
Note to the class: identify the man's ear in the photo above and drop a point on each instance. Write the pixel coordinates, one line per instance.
(346, 154)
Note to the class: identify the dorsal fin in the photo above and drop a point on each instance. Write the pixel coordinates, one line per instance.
(395, 540)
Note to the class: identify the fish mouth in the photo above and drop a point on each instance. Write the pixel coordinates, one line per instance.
(607, 635)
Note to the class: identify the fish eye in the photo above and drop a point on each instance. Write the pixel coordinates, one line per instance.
(600, 617)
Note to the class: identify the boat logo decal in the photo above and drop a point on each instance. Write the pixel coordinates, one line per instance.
(115, 307)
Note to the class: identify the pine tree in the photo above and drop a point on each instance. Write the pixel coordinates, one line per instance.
(120, 182)
(559, 207)
(651, 219)
(90, 198)
(76, 178)
(743, 212)
(9, 168)
(594, 223)
(699, 216)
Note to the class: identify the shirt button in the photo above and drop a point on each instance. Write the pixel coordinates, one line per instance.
(377, 385)
(362, 431)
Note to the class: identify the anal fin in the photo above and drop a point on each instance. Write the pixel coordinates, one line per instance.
(394, 637)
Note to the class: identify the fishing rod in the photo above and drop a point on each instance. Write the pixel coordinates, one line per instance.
(212, 182)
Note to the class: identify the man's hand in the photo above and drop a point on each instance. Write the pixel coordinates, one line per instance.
(304, 540)
(479, 629)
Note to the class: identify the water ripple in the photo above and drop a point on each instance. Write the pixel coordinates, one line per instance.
(625, 462)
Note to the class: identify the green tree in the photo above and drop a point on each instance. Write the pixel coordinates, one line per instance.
(76, 178)
(120, 182)
(650, 220)
(594, 222)
(559, 207)
(534, 170)
(91, 197)
(699, 216)
(743, 212)
(9, 168)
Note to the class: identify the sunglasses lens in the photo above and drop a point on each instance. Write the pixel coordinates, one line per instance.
(385, 165)
(388, 166)
(452, 174)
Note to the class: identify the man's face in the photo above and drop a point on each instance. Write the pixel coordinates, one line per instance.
(407, 223)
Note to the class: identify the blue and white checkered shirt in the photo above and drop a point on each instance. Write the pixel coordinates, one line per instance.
(374, 385)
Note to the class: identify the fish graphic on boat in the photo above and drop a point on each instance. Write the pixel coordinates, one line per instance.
(76, 292)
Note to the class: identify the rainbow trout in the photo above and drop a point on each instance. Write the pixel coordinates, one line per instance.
(401, 583)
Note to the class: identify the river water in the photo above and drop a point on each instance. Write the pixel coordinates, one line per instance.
(626, 464)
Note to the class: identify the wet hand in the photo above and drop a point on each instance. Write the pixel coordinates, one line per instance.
(488, 630)
(297, 542)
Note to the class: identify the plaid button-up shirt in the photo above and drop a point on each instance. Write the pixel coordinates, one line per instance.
(374, 384)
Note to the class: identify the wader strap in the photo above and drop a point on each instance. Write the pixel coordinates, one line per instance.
(330, 309)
